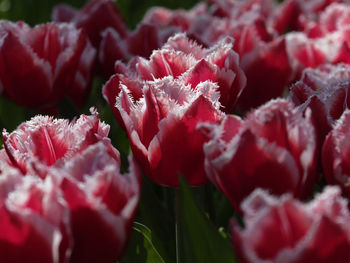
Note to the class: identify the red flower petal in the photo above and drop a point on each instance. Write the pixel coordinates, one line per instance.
(296, 232)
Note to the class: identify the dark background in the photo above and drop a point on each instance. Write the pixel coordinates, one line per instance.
(39, 11)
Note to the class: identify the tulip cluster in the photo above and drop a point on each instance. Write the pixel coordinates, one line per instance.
(249, 96)
(62, 198)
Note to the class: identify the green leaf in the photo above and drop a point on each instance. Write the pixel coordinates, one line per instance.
(156, 211)
(136, 251)
(197, 238)
(32, 11)
(11, 115)
(153, 255)
(141, 248)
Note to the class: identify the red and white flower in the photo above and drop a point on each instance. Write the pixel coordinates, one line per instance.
(186, 62)
(325, 91)
(273, 148)
(161, 127)
(62, 197)
(95, 17)
(285, 230)
(335, 157)
(41, 65)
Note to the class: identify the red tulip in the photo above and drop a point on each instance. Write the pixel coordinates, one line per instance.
(105, 27)
(304, 52)
(161, 127)
(286, 230)
(268, 72)
(163, 17)
(325, 39)
(80, 91)
(62, 198)
(34, 220)
(273, 148)
(41, 65)
(246, 22)
(292, 15)
(141, 42)
(183, 60)
(94, 18)
(102, 203)
(325, 91)
(42, 142)
(156, 27)
(335, 157)
(263, 55)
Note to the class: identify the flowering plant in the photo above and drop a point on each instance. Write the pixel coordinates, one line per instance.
(218, 131)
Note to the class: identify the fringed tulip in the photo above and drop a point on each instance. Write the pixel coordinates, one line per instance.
(335, 154)
(186, 61)
(41, 65)
(161, 127)
(273, 148)
(141, 42)
(62, 197)
(94, 18)
(163, 17)
(325, 91)
(263, 54)
(284, 230)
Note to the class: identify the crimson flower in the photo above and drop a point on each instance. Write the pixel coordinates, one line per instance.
(333, 18)
(41, 65)
(43, 141)
(293, 15)
(34, 221)
(141, 42)
(94, 18)
(163, 17)
(263, 54)
(335, 157)
(268, 71)
(325, 91)
(106, 29)
(62, 198)
(286, 230)
(324, 40)
(245, 21)
(161, 127)
(273, 148)
(186, 61)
